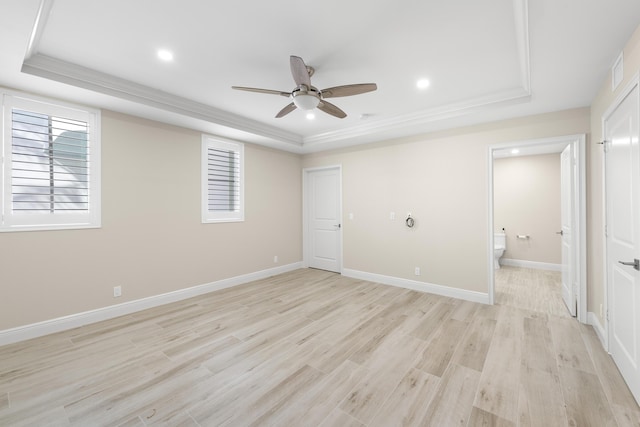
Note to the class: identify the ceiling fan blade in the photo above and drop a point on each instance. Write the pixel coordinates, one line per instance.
(268, 91)
(329, 108)
(348, 90)
(299, 71)
(286, 110)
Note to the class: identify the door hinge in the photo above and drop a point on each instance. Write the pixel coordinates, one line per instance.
(607, 315)
(606, 231)
(605, 145)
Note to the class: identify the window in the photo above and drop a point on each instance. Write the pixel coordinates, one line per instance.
(222, 180)
(51, 165)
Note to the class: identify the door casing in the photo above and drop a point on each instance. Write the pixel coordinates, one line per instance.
(566, 234)
(578, 141)
(305, 213)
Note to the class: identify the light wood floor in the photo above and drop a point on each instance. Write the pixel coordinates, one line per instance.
(529, 289)
(311, 348)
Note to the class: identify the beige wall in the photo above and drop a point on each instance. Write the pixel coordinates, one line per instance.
(442, 180)
(152, 240)
(595, 205)
(527, 202)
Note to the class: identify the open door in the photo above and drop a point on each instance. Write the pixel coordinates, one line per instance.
(566, 232)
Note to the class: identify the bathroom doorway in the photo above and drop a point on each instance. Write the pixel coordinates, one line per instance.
(571, 230)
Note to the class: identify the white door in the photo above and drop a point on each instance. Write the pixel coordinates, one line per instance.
(566, 233)
(622, 181)
(324, 228)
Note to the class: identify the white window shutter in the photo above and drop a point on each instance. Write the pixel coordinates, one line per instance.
(222, 180)
(51, 174)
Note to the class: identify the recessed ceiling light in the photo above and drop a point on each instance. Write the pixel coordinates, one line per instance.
(423, 84)
(311, 116)
(165, 55)
(515, 151)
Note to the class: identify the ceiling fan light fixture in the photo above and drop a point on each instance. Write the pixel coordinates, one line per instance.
(305, 101)
(306, 97)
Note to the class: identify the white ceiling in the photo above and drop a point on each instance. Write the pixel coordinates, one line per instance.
(486, 60)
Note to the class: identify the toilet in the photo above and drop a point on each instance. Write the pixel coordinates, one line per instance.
(499, 245)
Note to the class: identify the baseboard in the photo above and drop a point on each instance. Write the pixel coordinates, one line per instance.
(593, 320)
(531, 264)
(415, 285)
(39, 329)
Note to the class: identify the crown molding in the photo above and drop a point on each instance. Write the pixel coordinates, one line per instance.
(423, 117)
(521, 20)
(44, 10)
(86, 78)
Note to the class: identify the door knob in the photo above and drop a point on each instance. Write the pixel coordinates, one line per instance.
(635, 264)
(560, 232)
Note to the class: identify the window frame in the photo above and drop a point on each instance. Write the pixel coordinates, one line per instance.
(12, 221)
(209, 141)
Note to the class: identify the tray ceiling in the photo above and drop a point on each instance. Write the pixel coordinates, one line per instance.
(485, 61)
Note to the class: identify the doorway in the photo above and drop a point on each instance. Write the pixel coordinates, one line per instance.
(573, 226)
(322, 218)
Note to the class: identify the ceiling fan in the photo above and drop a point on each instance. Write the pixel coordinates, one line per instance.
(307, 97)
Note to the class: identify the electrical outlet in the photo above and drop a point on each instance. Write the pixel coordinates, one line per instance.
(117, 291)
(417, 271)
(392, 216)
(275, 258)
